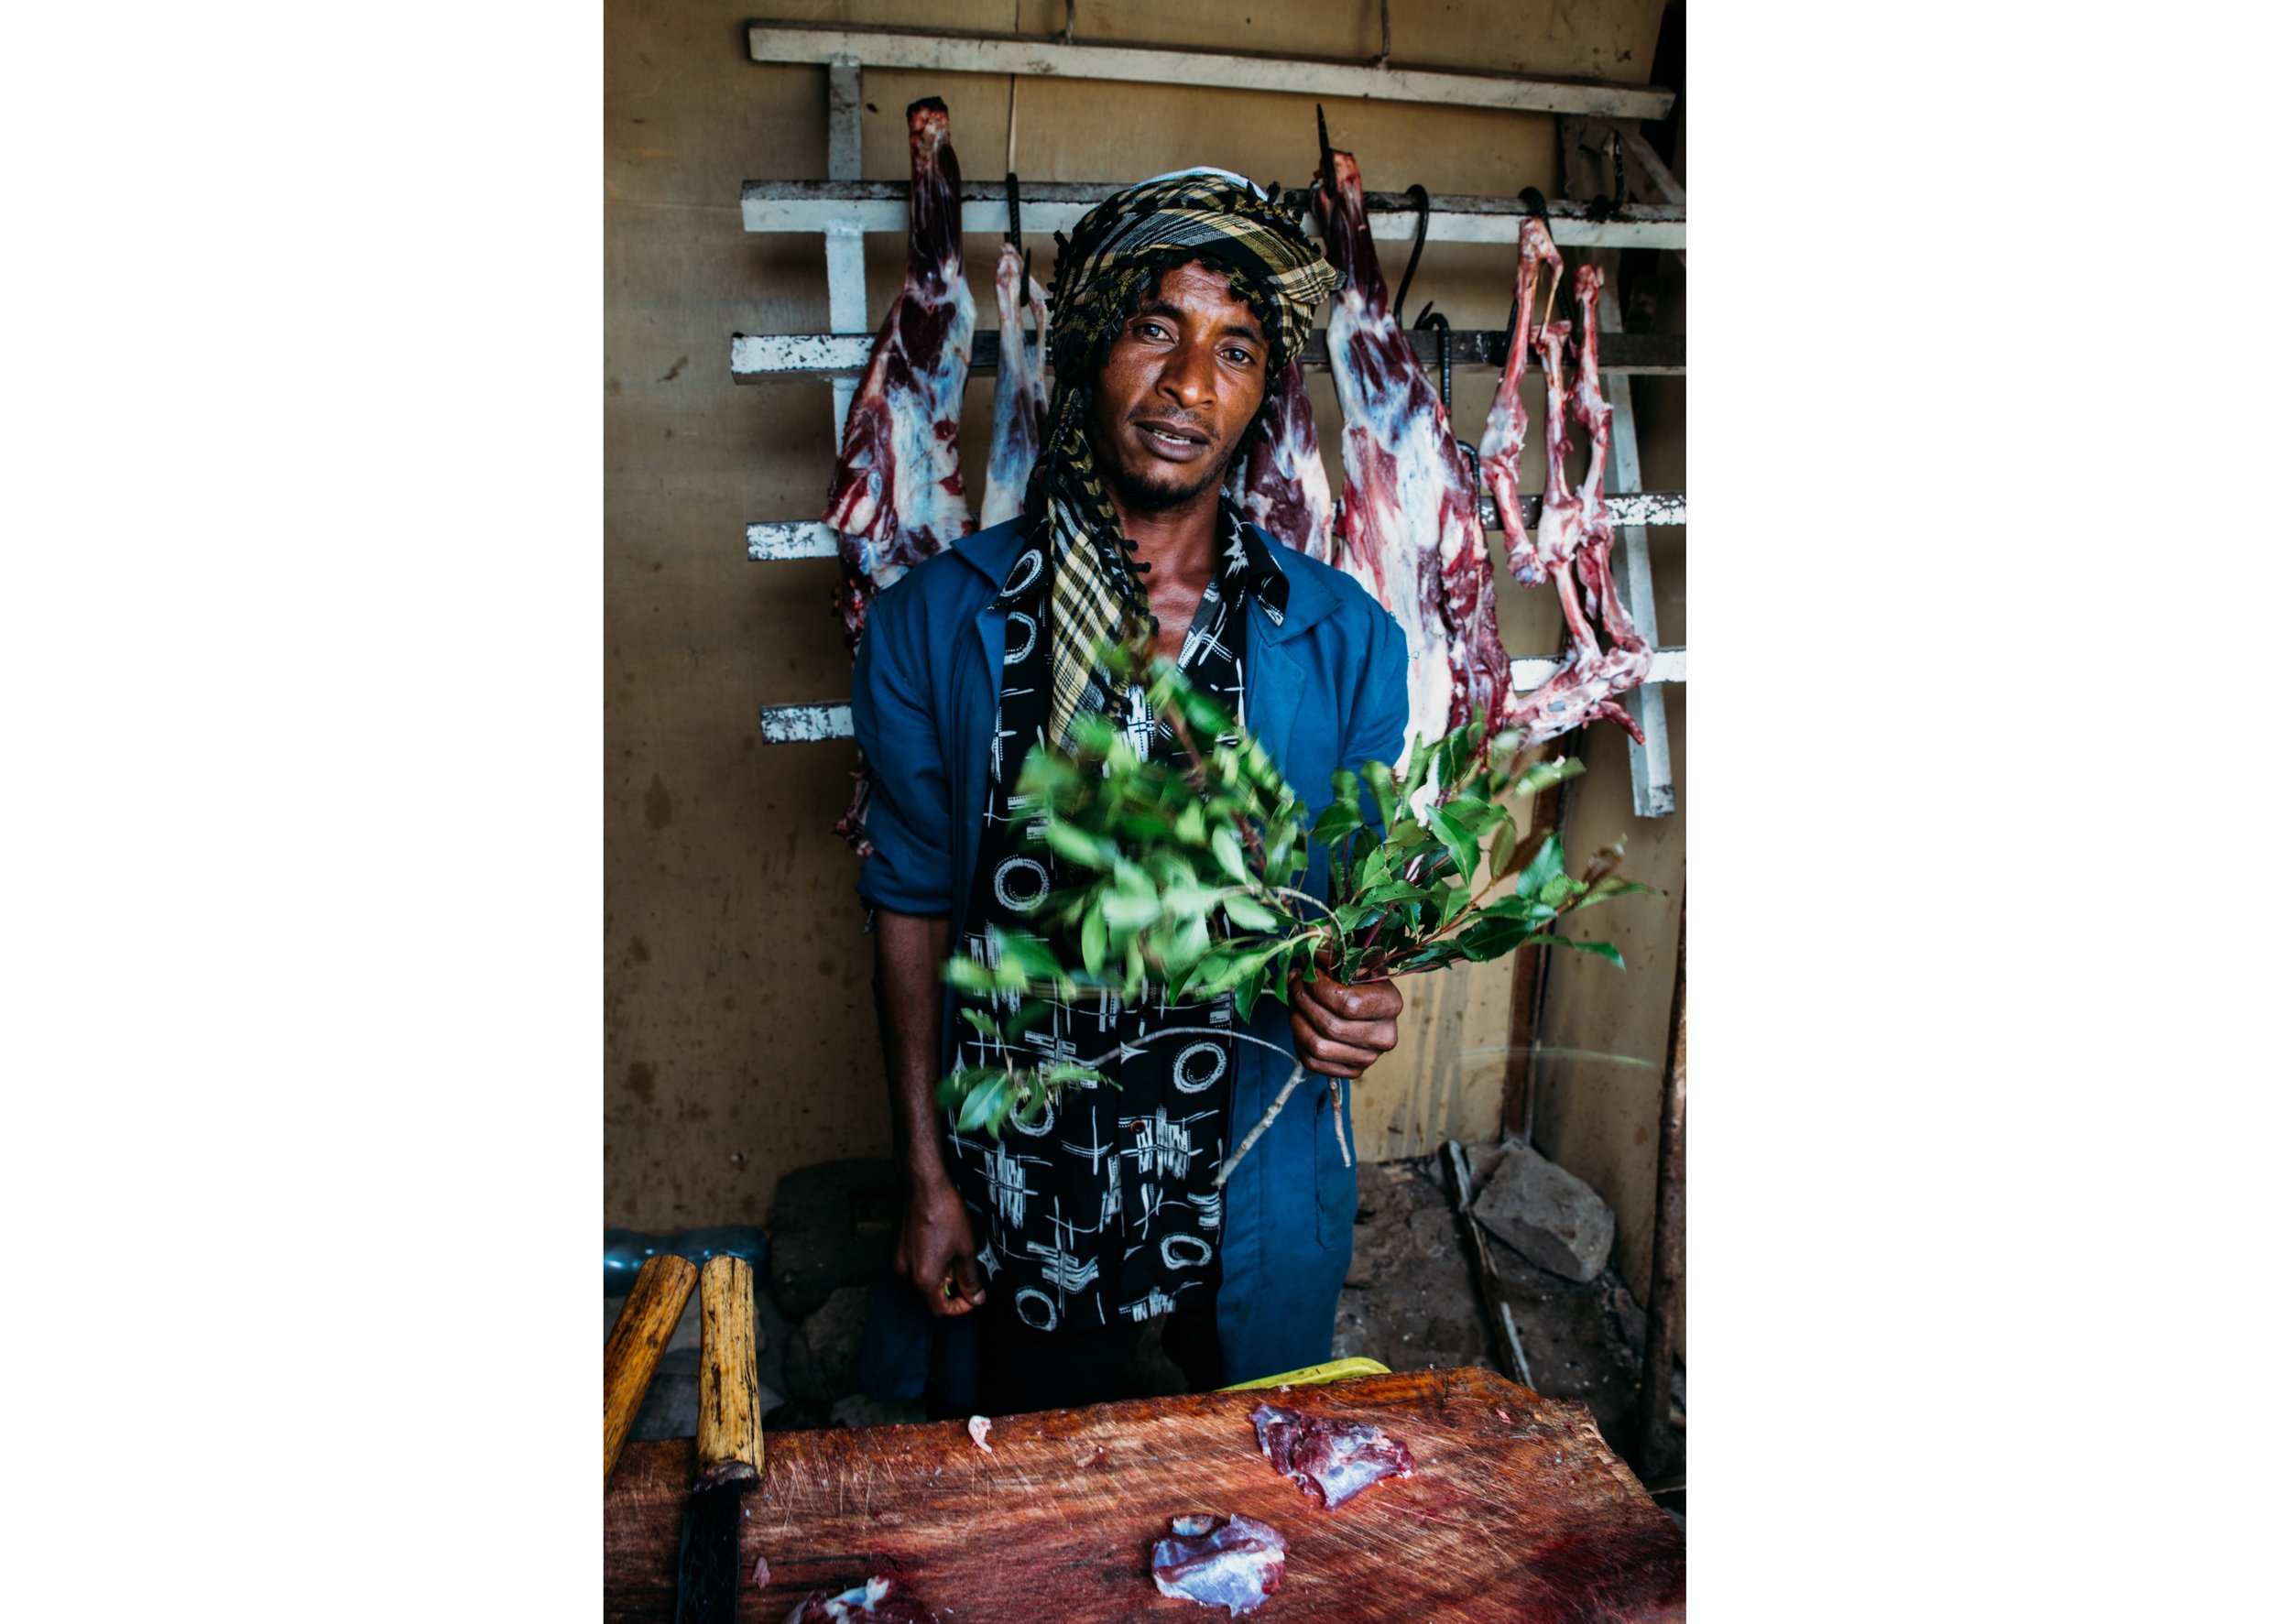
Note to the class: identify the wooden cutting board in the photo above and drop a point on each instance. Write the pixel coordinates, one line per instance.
(1517, 1511)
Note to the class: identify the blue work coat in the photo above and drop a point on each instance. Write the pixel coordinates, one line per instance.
(1326, 688)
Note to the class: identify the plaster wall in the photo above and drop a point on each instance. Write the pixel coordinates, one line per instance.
(740, 1036)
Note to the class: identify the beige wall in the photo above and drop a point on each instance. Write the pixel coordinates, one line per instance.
(740, 1036)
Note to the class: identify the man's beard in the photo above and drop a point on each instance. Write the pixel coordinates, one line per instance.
(1138, 496)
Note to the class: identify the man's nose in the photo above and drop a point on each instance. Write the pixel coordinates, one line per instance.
(1190, 377)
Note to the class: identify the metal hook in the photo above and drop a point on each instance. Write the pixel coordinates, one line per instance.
(1423, 224)
(1010, 181)
(1431, 320)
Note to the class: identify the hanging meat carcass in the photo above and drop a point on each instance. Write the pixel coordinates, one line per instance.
(1506, 435)
(1408, 530)
(1022, 389)
(1284, 487)
(897, 497)
(1575, 544)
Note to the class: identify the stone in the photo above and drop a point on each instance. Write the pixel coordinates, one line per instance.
(1547, 1214)
(834, 1224)
(822, 1363)
(670, 1408)
(857, 1410)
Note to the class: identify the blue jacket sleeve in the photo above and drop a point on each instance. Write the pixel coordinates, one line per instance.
(908, 819)
(1379, 707)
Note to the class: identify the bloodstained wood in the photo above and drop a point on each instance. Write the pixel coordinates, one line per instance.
(1525, 1518)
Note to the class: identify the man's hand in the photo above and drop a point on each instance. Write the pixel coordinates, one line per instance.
(1340, 1029)
(938, 1254)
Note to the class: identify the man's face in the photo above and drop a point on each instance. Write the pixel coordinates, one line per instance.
(1184, 377)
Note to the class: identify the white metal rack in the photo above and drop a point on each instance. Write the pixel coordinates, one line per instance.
(843, 208)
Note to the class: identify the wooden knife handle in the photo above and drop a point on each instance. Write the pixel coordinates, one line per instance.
(731, 1402)
(648, 1319)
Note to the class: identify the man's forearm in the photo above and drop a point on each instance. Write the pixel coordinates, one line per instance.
(909, 950)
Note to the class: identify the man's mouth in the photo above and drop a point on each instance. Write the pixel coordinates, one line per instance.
(1172, 440)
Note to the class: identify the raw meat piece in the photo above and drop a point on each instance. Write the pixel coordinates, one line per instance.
(979, 1428)
(1594, 564)
(1284, 485)
(1575, 540)
(1336, 1458)
(1408, 530)
(882, 1599)
(1232, 1562)
(897, 497)
(1021, 390)
(1506, 435)
(1560, 531)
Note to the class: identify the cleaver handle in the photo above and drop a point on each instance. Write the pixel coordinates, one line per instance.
(648, 1319)
(730, 1443)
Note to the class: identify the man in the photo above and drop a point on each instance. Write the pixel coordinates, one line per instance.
(1176, 301)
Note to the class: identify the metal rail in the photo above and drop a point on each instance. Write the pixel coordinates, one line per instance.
(761, 357)
(1057, 205)
(1035, 56)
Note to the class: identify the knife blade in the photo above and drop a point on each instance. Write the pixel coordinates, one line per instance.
(729, 1457)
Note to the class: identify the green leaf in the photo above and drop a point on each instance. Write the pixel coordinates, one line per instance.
(985, 1103)
(1094, 941)
(1250, 914)
(1506, 845)
(1612, 887)
(1462, 848)
(1603, 950)
(1032, 957)
(1384, 789)
(1124, 912)
(1087, 851)
(981, 1023)
(966, 975)
(1224, 845)
(1539, 873)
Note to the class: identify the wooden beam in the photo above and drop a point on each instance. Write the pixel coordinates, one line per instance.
(757, 357)
(790, 724)
(787, 725)
(949, 52)
(795, 539)
(1046, 206)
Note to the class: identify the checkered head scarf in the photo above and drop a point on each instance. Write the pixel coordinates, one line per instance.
(1119, 251)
